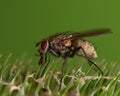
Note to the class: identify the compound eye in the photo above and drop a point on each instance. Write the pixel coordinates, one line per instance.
(44, 46)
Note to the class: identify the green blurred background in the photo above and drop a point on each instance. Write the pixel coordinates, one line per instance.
(25, 22)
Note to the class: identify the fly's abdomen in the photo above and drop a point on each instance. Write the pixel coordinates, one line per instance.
(89, 50)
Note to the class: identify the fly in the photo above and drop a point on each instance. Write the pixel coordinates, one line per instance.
(69, 45)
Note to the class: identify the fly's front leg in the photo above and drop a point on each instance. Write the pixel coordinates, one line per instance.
(54, 52)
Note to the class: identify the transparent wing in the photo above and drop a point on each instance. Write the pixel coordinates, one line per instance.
(90, 33)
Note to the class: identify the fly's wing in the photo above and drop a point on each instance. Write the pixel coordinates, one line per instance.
(66, 39)
(90, 33)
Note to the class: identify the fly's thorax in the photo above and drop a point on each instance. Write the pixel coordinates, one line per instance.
(60, 45)
(66, 42)
(88, 48)
(56, 39)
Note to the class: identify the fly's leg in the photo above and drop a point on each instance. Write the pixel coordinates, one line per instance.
(90, 62)
(63, 66)
(62, 71)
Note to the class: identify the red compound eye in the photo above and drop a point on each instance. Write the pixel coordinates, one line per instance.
(44, 46)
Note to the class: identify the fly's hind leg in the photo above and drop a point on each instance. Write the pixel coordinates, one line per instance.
(90, 61)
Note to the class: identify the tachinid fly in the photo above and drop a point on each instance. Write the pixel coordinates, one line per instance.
(69, 45)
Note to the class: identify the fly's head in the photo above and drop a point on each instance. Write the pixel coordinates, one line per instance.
(43, 48)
